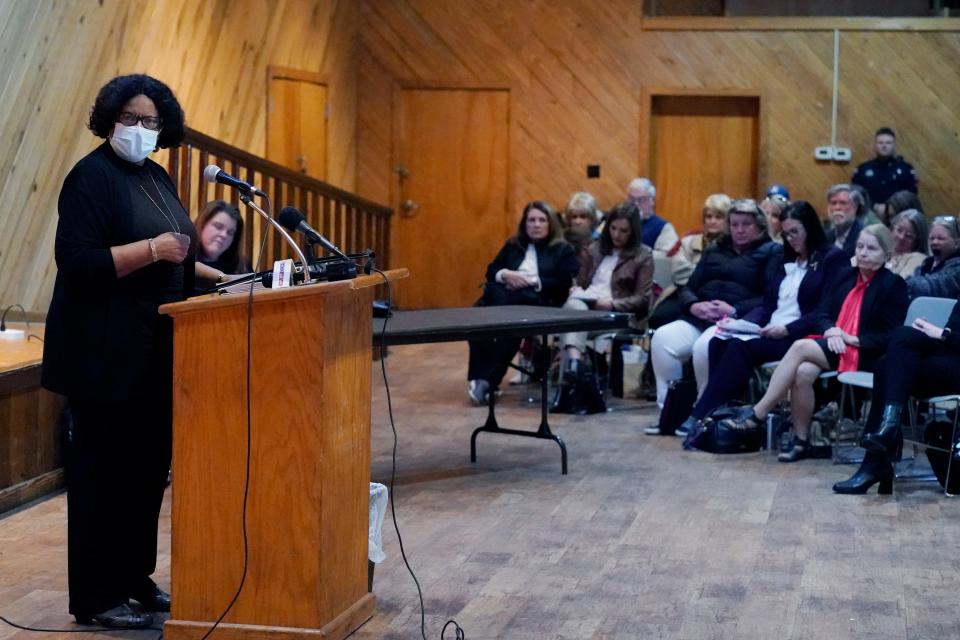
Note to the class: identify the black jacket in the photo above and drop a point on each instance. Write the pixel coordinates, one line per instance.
(104, 337)
(942, 281)
(824, 266)
(884, 308)
(739, 279)
(850, 242)
(883, 177)
(556, 263)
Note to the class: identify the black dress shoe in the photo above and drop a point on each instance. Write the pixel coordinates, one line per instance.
(153, 599)
(799, 449)
(119, 617)
(876, 469)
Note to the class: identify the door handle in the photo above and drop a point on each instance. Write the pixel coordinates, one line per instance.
(409, 207)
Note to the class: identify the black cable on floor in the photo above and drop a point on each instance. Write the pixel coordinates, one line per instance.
(393, 473)
(96, 629)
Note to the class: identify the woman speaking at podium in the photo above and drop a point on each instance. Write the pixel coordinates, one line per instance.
(124, 246)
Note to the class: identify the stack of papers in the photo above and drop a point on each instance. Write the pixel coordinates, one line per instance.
(738, 329)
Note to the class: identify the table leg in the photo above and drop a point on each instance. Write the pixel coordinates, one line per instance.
(543, 432)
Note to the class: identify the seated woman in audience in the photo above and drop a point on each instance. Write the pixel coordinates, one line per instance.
(900, 201)
(939, 275)
(920, 360)
(909, 229)
(580, 219)
(220, 230)
(686, 255)
(729, 281)
(535, 267)
(772, 206)
(860, 309)
(616, 275)
(789, 311)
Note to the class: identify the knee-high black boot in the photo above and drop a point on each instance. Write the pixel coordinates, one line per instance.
(876, 468)
(886, 439)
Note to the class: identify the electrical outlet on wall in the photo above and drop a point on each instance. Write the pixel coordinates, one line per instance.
(842, 154)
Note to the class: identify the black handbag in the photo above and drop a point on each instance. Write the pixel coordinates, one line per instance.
(937, 434)
(714, 436)
(582, 396)
(681, 394)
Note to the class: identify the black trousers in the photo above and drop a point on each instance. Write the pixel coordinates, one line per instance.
(915, 364)
(731, 365)
(489, 359)
(117, 458)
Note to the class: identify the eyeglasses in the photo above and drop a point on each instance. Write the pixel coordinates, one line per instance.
(128, 119)
(793, 233)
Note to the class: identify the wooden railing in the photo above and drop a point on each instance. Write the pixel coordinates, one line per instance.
(349, 221)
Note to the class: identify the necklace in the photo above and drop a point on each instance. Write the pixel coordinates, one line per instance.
(168, 215)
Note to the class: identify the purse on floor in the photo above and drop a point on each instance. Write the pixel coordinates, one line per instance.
(937, 434)
(714, 436)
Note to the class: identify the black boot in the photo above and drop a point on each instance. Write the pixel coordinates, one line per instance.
(886, 439)
(876, 468)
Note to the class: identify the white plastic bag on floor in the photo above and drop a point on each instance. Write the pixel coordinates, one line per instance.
(378, 509)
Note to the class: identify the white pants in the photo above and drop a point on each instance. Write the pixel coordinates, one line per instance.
(578, 339)
(672, 345)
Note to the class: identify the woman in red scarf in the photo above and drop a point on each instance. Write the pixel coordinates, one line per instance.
(864, 304)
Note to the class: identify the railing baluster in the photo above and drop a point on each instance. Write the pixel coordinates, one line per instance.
(349, 221)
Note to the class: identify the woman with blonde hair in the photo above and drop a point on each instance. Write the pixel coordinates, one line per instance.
(691, 246)
(772, 207)
(581, 219)
(729, 281)
(910, 246)
(863, 305)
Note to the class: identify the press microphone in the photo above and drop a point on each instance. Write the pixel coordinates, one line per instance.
(213, 173)
(293, 220)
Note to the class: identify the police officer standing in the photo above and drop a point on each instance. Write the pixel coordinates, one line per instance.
(887, 173)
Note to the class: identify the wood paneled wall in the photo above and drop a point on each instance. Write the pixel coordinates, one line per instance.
(54, 56)
(578, 69)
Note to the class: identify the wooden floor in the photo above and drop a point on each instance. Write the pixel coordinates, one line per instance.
(640, 540)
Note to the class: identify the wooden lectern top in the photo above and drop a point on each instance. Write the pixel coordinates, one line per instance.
(214, 300)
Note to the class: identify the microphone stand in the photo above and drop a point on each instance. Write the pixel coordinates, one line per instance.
(248, 200)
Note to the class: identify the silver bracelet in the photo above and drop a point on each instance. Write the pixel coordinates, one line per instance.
(153, 249)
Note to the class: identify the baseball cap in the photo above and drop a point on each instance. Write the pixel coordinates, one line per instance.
(778, 190)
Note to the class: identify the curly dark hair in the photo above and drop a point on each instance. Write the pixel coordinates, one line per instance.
(119, 91)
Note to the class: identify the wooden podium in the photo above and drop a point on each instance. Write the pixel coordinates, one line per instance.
(309, 465)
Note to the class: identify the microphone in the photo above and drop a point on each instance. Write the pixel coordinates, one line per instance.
(213, 173)
(293, 220)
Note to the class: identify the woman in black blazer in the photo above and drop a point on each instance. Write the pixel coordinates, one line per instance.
(921, 359)
(535, 267)
(788, 312)
(862, 306)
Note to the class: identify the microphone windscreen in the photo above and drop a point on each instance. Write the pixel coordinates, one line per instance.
(210, 173)
(290, 218)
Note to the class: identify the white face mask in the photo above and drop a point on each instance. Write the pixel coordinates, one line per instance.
(133, 144)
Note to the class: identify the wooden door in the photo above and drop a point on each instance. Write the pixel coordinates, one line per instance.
(297, 122)
(701, 145)
(450, 192)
